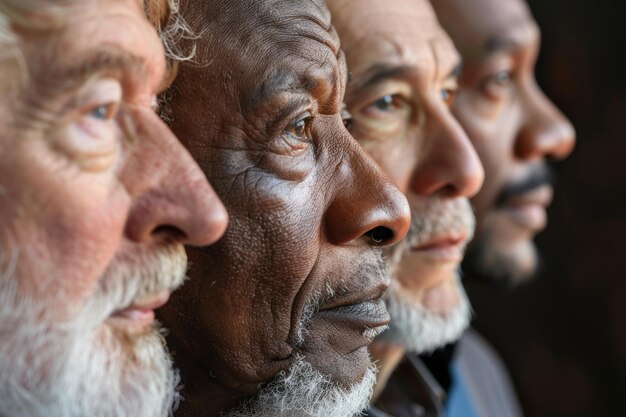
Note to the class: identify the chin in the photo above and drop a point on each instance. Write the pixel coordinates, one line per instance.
(504, 264)
(420, 329)
(303, 390)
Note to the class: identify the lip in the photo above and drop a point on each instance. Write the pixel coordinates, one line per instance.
(368, 314)
(140, 314)
(528, 210)
(443, 248)
(365, 309)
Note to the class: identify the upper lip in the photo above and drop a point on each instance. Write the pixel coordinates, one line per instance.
(540, 196)
(146, 303)
(451, 239)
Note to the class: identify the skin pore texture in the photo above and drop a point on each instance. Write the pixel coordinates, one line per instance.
(97, 198)
(403, 80)
(514, 127)
(299, 274)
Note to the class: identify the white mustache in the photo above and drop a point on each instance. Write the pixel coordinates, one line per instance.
(140, 275)
(434, 217)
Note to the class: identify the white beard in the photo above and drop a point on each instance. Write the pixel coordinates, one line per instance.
(413, 326)
(422, 331)
(80, 366)
(303, 391)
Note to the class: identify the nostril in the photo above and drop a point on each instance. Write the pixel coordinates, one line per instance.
(380, 235)
(169, 233)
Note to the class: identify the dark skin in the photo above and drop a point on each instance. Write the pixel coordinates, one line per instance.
(309, 210)
(514, 127)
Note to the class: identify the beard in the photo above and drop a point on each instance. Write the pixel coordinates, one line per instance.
(304, 391)
(412, 325)
(501, 267)
(419, 330)
(78, 365)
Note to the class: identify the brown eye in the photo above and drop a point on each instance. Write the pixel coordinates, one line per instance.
(346, 117)
(448, 95)
(502, 78)
(301, 127)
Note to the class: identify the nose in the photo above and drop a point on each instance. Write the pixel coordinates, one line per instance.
(448, 165)
(546, 132)
(172, 199)
(367, 206)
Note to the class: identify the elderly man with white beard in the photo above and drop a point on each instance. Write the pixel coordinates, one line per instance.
(404, 71)
(97, 198)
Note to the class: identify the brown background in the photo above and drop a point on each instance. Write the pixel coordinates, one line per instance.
(563, 336)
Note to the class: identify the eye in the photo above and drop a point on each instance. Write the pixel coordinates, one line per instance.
(498, 83)
(103, 112)
(386, 103)
(347, 119)
(502, 78)
(300, 127)
(448, 95)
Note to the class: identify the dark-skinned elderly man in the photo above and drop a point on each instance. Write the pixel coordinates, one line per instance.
(290, 297)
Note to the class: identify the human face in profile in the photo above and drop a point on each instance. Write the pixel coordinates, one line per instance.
(514, 127)
(92, 221)
(299, 272)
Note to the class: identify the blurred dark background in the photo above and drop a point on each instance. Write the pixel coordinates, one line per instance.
(563, 336)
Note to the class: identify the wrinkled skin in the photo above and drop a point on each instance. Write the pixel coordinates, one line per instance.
(302, 196)
(403, 79)
(80, 194)
(514, 127)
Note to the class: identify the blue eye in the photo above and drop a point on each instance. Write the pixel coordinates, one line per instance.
(101, 112)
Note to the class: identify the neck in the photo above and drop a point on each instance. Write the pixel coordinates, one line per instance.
(387, 357)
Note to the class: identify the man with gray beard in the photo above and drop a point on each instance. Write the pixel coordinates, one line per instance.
(291, 296)
(404, 78)
(92, 219)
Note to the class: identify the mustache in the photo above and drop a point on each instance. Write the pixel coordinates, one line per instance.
(434, 217)
(541, 176)
(133, 276)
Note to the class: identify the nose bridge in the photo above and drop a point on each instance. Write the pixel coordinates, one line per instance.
(366, 205)
(546, 131)
(172, 197)
(449, 164)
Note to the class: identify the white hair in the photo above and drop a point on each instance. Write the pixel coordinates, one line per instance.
(422, 331)
(62, 361)
(304, 391)
(412, 325)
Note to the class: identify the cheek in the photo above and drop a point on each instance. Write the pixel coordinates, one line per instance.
(66, 228)
(493, 143)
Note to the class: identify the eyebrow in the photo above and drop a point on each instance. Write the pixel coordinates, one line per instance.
(378, 73)
(497, 44)
(105, 60)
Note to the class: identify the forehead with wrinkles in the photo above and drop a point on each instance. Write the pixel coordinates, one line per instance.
(402, 32)
(268, 45)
